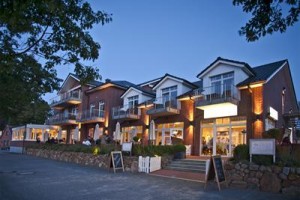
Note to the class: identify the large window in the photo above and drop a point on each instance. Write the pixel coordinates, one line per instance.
(222, 84)
(167, 134)
(222, 135)
(128, 133)
(169, 95)
(101, 108)
(133, 101)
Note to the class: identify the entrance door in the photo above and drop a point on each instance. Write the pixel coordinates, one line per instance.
(222, 142)
(207, 141)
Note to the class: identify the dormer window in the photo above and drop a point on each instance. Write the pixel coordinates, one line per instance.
(133, 101)
(222, 82)
(169, 93)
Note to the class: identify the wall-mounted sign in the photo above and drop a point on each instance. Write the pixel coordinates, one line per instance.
(273, 113)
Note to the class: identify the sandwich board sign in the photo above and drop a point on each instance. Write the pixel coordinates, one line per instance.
(216, 171)
(116, 161)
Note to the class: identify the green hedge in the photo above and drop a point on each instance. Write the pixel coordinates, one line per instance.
(138, 150)
(152, 150)
(287, 155)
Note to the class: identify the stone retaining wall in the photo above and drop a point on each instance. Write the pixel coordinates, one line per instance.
(266, 178)
(103, 161)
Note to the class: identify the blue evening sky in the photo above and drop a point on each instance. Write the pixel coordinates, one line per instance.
(149, 38)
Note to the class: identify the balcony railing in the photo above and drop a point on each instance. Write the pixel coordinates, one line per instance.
(216, 94)
(72, 97)
(125, 112)
(91, 116)
(164, 106)
(62, 118)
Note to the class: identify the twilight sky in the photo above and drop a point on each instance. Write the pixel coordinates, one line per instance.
(149, 38)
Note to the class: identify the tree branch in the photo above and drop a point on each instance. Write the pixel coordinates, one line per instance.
(35, 43)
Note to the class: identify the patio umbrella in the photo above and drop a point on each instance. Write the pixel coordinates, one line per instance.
(117, 135)
(97, 133)
(59, 133)
(133, 132)
(76, 133)
(152, 130)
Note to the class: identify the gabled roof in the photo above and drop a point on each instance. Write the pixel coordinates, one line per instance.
(263, 72)
(140, 89)
(246, 66)
(190, 93)
(185, 82)
(154, 81)
(76, 78)
(120, 84)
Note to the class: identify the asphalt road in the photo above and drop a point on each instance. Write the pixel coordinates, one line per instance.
(27, 177)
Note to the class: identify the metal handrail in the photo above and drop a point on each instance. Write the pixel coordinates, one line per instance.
(74, 94)
(125, 110)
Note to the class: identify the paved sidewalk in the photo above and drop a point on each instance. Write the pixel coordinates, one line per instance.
(26, 177)
(188, 176)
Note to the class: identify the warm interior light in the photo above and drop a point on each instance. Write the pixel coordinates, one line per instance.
(219, 110)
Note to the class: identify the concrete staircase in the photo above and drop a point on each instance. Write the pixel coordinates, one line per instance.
(187, 165)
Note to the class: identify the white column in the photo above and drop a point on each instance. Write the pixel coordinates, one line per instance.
(230, 140)
(215, 139)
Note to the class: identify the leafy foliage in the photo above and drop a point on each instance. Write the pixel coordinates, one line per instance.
(268, 16)
(37, 36)
(273, 133)
(160, 150)
(241, 152)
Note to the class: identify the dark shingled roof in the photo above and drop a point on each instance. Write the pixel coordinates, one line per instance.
(190, 93)
(184, 81)
(263, 72)
(95, 83)
(227, 60)
(143, 90)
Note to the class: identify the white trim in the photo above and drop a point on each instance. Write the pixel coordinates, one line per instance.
(224, 62)
(129, 89)
(149, 82)
(270, 77)
(70, 75)
(164, 79)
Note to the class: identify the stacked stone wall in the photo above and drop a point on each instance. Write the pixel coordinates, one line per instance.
(265, 178)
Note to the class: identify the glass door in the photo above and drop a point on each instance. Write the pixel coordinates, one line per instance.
(207, 141)
(222, 141)
(167, 137)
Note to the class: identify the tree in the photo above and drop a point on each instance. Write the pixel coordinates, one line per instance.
(36, 36)
(268, 16)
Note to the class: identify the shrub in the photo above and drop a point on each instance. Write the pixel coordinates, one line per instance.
(241, 152)
(160, 150)
(273, 133)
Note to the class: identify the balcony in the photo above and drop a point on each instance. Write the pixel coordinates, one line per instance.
(164, 107)
(126, 113)
(91, 116)
(66, 99)
(62, 119)
(217, 101)
(216, 95)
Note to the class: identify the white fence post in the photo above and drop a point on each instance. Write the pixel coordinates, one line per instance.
(149, 164)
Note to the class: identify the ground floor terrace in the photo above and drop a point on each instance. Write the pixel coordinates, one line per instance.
(202, 138)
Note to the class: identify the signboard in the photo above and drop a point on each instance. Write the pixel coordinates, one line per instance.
(127, 147)
(262, 147)
(116, 160)
(216, 172)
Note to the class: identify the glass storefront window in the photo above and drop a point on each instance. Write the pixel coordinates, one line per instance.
(207, 141)
(222, 141)
(222, 135)
(169, 133)
(129, 132)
